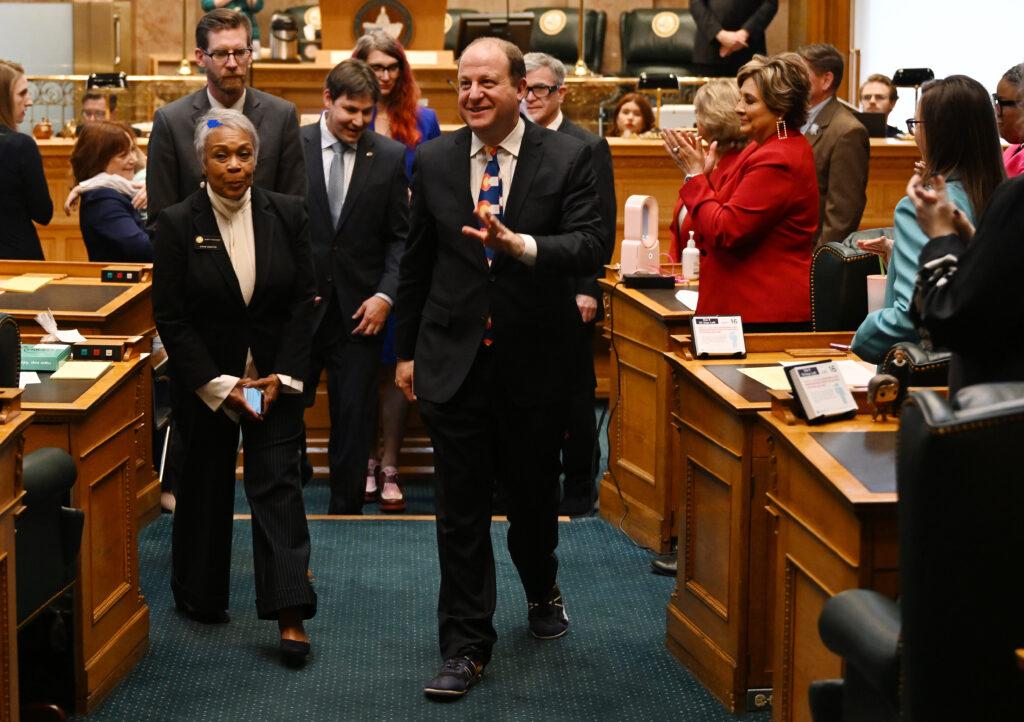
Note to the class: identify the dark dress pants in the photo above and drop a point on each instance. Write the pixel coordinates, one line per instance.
(201, 537)
(578, 451)
(481, 436)
(352, 364)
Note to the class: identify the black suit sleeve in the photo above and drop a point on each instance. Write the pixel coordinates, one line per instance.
(707, 22)
(972, 309)
(396, 221)
(40, 205)
(294, 349)
(170, 270)
(161, 169)
(605, 179)
(291, 167)
(577, 248)
(415, 270)
(759, 19)
(114, 221)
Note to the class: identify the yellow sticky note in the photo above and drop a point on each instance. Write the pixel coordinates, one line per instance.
(774, 377)
(81, 370)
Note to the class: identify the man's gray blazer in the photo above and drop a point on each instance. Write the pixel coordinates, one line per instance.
(173, 172)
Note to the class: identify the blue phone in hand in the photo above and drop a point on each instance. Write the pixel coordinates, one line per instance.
(254, 397)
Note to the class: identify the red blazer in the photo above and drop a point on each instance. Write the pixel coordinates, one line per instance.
(680, 235)
(756, 230)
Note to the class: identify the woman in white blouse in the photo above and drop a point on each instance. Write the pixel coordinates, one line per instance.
(233, 292)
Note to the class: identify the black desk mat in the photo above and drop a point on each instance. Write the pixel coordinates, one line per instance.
(666, 297)
(62, 297)
(61, 391)
(752, 391)
(868, 455)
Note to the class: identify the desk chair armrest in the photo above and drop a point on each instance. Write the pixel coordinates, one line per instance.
(863, 627)
(48, 475)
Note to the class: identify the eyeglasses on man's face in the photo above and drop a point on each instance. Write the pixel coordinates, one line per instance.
(912, 123)
(391, 69)
(541, 90)
(221, 56)
(1002, 104)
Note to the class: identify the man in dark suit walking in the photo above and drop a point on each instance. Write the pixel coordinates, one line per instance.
(359, 218)
(486, 322)
(545, 91)
(224, 49)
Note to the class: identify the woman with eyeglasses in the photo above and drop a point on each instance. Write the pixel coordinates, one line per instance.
(24, 195)
(1010, 119)
(399, 116)
(956, 133)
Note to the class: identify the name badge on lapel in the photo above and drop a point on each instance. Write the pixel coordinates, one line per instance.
(208, 243)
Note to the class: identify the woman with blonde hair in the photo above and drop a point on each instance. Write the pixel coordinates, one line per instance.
(717, 122)
(756, 224)
(24, 195)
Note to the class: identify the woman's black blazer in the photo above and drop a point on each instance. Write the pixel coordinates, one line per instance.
(200, 315)
(24, 196)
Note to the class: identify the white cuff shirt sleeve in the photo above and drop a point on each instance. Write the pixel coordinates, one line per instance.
(289, 385)
(385, 296)
(214, 391)
(529, 256)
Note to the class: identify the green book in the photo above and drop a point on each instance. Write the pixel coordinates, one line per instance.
(44, 356)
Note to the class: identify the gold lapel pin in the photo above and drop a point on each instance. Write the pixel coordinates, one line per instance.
(369, 154)
(199, 239)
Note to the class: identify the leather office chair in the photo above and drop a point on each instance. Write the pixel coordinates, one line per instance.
(949, 650)
(645, 50)
(10, 352)
(556, 32)
(839, 291)
(451, 25)
(912, 365)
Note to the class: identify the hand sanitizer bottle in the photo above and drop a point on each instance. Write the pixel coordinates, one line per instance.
(691, 261)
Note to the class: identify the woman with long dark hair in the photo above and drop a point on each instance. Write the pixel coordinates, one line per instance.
(955, 128)
(24, 195)
(398, 116)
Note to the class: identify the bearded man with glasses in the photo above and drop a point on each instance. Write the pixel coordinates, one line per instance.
(224, 49)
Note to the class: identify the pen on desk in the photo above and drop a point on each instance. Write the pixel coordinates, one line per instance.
(839, 346)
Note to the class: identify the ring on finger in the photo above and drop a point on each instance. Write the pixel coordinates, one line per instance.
(675, 149)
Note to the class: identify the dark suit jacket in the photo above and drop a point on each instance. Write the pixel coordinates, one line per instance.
(713, 16)
(976, 314)
(173, 171)
(197, 303)
(360, 257)
(446, 290)
(841, 152)
(24, 196)
(601, 157)
(112, 228)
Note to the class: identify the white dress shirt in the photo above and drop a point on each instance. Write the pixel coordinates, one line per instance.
(812, 115)
(214, 103)
(508, 156)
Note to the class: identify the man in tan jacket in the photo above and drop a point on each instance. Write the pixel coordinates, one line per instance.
(840, 145)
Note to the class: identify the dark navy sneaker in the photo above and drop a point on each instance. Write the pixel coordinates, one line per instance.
(547, 618)
(455, 678)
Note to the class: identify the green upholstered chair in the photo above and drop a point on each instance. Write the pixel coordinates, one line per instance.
(657, 41)
(451, 25)
(839, 287)
(556, 32)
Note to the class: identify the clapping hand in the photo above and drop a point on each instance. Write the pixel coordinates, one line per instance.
(936, 214)
(880, 246)
(687, 151)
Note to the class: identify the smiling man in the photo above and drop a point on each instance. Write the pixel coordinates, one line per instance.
(504, 219)
(359, 218)
(224, 51)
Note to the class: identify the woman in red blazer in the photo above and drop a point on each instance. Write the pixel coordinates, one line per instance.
(715, 108)
(755, 223)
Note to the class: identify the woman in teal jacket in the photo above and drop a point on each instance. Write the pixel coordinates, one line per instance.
(955, 129)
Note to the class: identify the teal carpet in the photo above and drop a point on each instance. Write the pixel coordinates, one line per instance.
(374, 641)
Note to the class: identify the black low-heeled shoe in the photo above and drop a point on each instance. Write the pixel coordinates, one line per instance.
(203, 616)
(293, 652)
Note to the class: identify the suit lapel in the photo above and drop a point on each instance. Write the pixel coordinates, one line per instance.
(822, 121)
(459, 176)
(315, 171)
(200, 106)
(263, 239)
(531, 155)
(205, 225)
(253, 108)
(361, 171)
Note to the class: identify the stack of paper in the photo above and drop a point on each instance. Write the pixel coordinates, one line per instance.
(81, 370)
(24, 283)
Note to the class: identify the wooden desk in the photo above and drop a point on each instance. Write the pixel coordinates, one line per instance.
(639, 324)
(718, 619)
(832, 500)
(95, 308)
(12, 428)
(97, 422)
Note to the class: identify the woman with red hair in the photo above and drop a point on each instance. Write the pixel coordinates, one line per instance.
(400, 116)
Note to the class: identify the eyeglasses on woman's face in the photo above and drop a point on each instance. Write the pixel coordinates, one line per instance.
(1002, 104)
(380, 70)
(912, 124)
